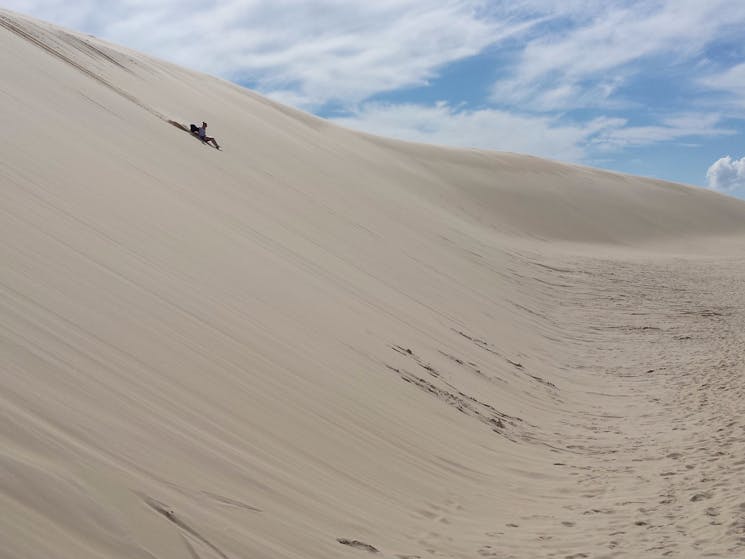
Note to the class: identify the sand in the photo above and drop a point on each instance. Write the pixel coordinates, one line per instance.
(319, 343)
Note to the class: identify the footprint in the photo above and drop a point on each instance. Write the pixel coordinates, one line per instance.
(700, 497)
(170, 514)
(358, 544)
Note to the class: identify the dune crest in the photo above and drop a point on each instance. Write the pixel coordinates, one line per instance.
(319, 343)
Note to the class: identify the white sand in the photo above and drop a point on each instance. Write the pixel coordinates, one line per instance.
(316, 335)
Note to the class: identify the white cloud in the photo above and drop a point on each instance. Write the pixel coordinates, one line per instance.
(486, 128)
(727, 174)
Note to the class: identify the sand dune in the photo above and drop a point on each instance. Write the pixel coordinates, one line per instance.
(318, 343)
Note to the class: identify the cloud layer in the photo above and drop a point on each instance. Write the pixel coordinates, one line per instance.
(558, 54)
(542, 135)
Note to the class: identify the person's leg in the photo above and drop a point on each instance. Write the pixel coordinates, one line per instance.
(212, 140)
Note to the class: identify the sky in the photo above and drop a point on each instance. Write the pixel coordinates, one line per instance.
(649, 87)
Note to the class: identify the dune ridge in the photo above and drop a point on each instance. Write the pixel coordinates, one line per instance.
(319, 343)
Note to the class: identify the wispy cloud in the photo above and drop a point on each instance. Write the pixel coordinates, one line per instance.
(670, 128)
(485, 128)
(599, 46)
(730, 81)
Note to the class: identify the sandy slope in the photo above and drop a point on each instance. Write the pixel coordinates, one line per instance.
(316, 335)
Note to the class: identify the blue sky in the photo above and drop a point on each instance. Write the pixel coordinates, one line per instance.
(649, 87)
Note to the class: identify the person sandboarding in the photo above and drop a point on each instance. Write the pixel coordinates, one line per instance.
(201, 133)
